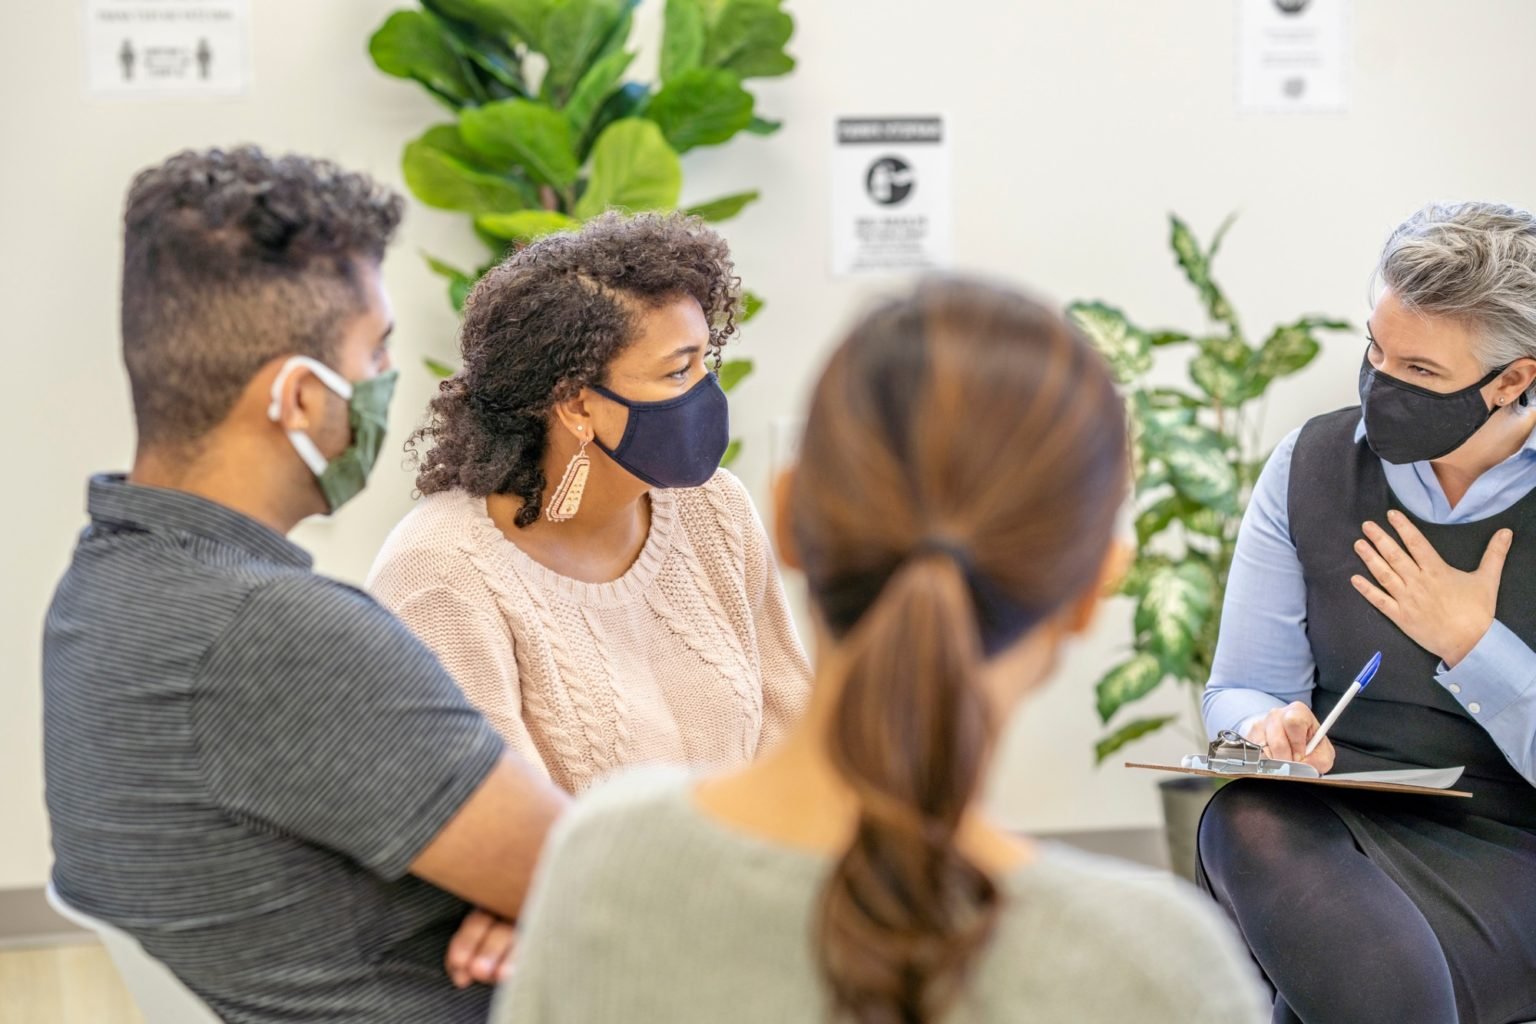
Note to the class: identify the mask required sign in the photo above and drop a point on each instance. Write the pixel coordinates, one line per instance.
(890, 195)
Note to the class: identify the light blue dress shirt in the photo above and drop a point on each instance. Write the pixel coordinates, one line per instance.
(1263, 659)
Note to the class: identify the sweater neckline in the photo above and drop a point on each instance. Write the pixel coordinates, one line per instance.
(628, 588)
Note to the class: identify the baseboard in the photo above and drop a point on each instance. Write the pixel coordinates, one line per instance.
(26, 919)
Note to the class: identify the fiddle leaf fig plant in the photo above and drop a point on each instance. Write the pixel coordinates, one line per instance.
(1195, 456)
(544, 131)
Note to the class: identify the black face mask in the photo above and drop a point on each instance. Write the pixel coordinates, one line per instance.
(676, 443)
(1406, 423)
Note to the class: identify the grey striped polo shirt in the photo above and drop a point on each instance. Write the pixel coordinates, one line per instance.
(242, 760)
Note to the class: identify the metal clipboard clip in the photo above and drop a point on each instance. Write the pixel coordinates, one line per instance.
(1231, 754)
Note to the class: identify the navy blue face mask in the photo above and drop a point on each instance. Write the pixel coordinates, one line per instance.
(676, 443)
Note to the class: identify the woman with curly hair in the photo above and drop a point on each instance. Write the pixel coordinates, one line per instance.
(602, 591)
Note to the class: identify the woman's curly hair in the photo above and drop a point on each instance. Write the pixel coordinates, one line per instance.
(546, 323)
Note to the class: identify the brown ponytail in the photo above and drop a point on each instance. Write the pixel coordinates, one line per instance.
(962, 464)
(904, 910)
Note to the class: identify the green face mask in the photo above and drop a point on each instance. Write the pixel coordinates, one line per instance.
(341, 479)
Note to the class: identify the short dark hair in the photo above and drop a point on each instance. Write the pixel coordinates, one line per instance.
(230, 259)
(546, 323)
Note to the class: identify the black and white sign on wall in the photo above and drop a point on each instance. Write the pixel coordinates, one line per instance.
(890, 195)
(159, 47)
(1293, 55)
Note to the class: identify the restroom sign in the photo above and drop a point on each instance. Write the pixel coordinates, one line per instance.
(158, 47)
(890, 195)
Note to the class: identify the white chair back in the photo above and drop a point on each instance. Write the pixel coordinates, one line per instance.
(159, 994)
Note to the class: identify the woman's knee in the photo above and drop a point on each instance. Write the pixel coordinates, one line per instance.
(1257, 826)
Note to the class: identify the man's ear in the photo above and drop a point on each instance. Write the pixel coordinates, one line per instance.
(783, 536)
(298, 403)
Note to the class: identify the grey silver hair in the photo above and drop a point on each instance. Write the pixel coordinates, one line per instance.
(1474, 263)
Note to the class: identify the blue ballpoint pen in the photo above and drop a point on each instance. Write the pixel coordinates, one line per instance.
(1361, 682)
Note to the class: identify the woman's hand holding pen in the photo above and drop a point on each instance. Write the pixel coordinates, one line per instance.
(1285, 732)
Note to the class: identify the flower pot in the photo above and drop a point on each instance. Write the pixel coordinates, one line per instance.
(1184, 801)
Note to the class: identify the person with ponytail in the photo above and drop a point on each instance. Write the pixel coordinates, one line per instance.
(952, 512)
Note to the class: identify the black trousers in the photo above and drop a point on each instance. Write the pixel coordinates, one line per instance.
(1360, 911)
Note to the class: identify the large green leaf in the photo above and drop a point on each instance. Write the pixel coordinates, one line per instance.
(1155, 518)
(1208, 522)
(1135, 582)
(1199, 465)
(438, 368)
(594, 88)
(1159, 410)
(1124, 347)
(521, 18)
(525, 133)
(442, 172)
(411, 45)
(748, 38)
(1197, 268)
(725, 207)
(702, 107)
(633, 169)
(1173, 609)
(486, 48)
(1288, 348)
(618, 36)
(763, 126)
(733, 372)
(573, 37)
(626, 101)
(1170, 398)
(525, 225)
(1127, 733)
(1126, 682)
(682, 40)
(1221, 369)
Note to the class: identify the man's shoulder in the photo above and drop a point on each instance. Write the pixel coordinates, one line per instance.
(299, 609)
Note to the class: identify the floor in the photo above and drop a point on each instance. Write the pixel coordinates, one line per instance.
(63, 985)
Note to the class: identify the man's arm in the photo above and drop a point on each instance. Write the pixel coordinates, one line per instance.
(486, 852)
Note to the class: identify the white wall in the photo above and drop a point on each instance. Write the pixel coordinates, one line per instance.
(1076, 126)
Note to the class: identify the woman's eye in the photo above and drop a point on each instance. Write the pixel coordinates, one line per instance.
(1421, 371)
(679, 375)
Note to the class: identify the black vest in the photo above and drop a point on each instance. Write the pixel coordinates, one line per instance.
(1405, 718)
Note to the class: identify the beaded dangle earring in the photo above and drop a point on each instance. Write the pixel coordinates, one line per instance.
(566, 501)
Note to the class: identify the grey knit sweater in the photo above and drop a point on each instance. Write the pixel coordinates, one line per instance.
(646, 910)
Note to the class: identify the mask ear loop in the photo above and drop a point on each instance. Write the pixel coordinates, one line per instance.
(302, 442)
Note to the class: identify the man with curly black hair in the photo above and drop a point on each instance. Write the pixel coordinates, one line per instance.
(255, 770)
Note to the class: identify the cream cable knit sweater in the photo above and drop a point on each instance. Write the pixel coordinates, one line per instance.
(690, 657)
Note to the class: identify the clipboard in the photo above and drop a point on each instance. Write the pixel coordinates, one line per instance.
(1383, 787)
(1232, 757)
